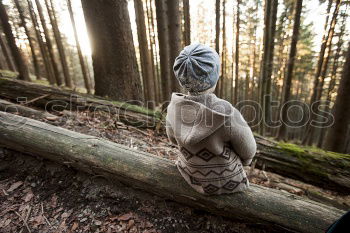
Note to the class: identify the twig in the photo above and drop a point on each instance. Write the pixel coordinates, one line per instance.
(42, 213)
(36, 99)
(24, 221)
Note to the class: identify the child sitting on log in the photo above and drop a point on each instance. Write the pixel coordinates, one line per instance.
(214, 139)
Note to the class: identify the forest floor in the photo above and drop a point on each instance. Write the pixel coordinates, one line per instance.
(40, 196)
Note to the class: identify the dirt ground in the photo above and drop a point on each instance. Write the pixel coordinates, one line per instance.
(40, 196)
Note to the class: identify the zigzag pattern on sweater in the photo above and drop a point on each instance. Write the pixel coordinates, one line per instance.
(211, 171)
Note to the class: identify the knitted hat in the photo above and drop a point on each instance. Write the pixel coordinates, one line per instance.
(197, 68)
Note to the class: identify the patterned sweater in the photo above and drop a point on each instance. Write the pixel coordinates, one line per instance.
(215, 142)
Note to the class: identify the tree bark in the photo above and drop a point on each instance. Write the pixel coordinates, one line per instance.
(43, 49)
(20, 63)
(30, 40)
(145, 55)
(174, 30)
(52, 15)
(49, 44)
(314, 167)
(160, 176)
(187, 22)
(337, 135)
(291, 61)
(9, 62)
(163, 38)
(113, 53)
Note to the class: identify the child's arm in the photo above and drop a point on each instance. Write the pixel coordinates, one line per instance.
(170, 132)
(241, 137)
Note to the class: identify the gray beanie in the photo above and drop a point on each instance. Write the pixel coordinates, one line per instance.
(197, 68)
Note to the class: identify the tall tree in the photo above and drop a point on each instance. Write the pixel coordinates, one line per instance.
(113, 53)
(291, 60)
(162, 26)
(237, 52)
(187, 22)
(333, 75)
(57, 34)
(270, 19)
(29, 37)
(49, 44)
(223, 78)
(154, 54)
(217, 26)
(5, 51)
(337, 135)
(80, 53)
(145, 55)
(20, 63)
(42, 46)
(174, 37)
(321, 71)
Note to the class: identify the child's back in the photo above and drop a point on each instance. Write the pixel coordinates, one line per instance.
(212, 136)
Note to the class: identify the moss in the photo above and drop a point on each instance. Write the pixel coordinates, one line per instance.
(8, 74)
(307, 155)
(139, 109)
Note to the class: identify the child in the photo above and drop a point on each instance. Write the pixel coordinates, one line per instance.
(214, 139)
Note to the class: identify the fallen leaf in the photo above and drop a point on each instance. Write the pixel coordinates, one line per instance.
(15, 186)
(28, 197)
(125, 217)
(65, 215)
(75, 226)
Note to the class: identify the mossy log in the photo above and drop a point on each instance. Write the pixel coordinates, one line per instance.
(325, 169)
(258, 205)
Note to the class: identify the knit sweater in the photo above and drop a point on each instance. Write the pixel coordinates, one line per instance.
(215, 142)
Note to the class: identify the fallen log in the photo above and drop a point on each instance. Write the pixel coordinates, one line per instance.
(54, 99)
(258, 205)
(328, 170)
(6, 106)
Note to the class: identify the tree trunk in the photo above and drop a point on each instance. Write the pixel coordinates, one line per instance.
(160, 176)
(316, 167)
(43, 49)
(163, 38)
(80, 54)
(334, 72)
(146, 62)
(222, 81)
(9, 62)
(307, 137)
(113, 53)
(174, 30)
(270, 62)
(291, 61)
(187, 22)
(49, 44)
(336, 137)
(154, 53)
(217, 26)
(52, 15)
(31, 44)
(237, 53)
(324, 68)
(20, 63)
